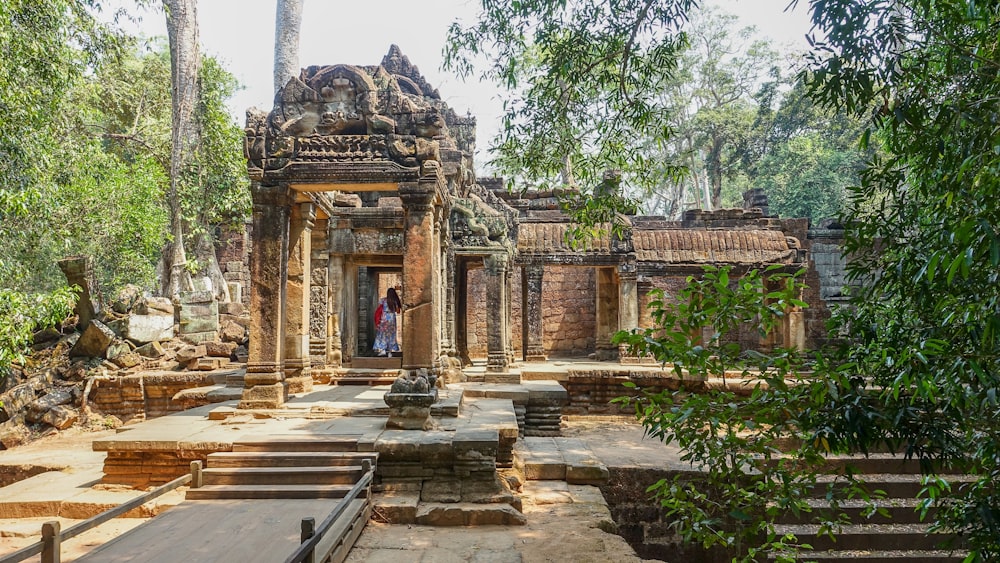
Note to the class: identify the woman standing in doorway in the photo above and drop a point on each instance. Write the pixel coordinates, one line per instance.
(385, 323)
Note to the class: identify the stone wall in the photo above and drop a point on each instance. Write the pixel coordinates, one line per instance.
(568, 311)
(146, 395)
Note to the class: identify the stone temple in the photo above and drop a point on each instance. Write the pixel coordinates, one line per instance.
(363, 179)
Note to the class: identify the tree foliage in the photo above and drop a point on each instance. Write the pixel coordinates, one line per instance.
(23, 313)
(585, 68)
(922, 78)
(927, 324)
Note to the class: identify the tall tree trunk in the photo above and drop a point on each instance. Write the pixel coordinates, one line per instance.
(182, 31)
(287, 23)
(713, 164)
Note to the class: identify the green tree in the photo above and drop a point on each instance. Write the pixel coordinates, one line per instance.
(808, 177)
(582, 70)
(922, 76)
(927, 324)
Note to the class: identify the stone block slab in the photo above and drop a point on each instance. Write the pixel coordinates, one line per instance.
(397, 507)
(468, 514)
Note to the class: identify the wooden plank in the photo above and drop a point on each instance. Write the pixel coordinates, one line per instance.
(215, 531)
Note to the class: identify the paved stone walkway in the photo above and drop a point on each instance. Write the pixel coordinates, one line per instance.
(566, 523)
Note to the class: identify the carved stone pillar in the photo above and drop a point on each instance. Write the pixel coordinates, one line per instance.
(607, 314)
(264, 385)
(418, 275)
(497, 331)
(319, 297)
(297, 365)
(450, 346)
(532, 327)
(334, 346)
(628, 307)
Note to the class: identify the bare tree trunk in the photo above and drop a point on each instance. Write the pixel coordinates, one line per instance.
(287, 23)
(182, 31)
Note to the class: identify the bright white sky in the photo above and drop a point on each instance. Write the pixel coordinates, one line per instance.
(241, 34)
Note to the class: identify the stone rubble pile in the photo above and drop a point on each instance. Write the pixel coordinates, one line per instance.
(132, 334)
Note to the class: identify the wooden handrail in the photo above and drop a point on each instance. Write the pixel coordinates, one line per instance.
(312, 536)
(51, 536)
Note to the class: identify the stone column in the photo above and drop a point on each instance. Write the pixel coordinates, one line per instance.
(496, 317)
(297, 365)
(334, 345)
(531, 313)
(264, 385)
(79, 271)
(462, 311)
(349, 308)
(418, 275)
(628, 307)
(607, 314)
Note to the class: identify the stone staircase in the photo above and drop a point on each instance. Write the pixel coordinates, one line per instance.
(559, 459)
(293, 467)
(897, 536)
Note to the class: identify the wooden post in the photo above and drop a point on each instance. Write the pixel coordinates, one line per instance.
(51, 540)
(308, 530)
(196, 475)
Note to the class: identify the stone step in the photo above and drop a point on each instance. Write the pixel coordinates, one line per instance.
(868, 537)
(894, 485)
(228, 492)
(288, 459)
(899, 511)
(877, 463)
(297, 443)
(561, 459)
(884, 556)
(343, 475)
(468, 514)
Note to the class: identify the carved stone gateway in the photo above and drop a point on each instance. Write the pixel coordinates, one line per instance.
(368, 154)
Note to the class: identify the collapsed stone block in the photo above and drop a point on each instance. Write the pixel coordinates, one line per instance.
(56, 397)
(60, 417)
(153, 350)
(143, 329)
(219, 349)
(155, 306)
(94, 341)
(188, 353)
(14, 400)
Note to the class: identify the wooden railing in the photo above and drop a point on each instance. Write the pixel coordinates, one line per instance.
(50, 546)
(311, 535)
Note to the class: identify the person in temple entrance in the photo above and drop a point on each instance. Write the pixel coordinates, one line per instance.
(385, 323)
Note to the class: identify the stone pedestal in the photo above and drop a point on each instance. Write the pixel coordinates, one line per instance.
(410, 411)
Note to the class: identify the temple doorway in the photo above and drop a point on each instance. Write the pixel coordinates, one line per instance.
(374, 284)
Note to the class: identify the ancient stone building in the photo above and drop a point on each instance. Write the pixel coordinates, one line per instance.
(362, 179)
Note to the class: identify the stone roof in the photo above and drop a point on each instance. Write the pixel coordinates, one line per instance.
(550, 238)
(686, 246)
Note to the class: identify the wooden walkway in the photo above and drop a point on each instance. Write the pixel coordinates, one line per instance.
(245, 531)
